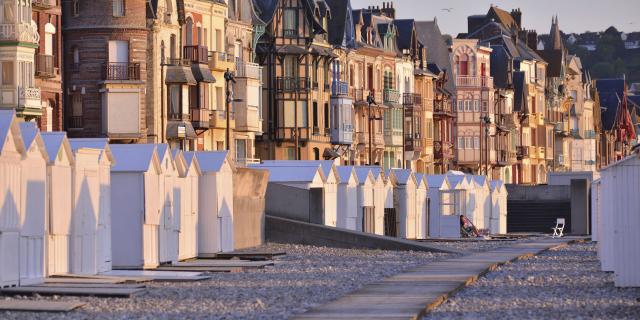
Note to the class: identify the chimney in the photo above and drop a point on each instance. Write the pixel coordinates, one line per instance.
(532, 39)
(389, 10)
(516, 14)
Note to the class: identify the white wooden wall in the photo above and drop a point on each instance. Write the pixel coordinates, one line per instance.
(10, 213)
(626, 219)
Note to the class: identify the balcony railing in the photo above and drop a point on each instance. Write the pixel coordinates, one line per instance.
(522, 152)
(75, 122)
(44, 66)
(413, 142)
(502, 157)
(121, 71)
(21, 32)
(292, 84)
(412, 99)
(29, 97)
(473, 81)
(339, 88)
(248, 70)
(290, 134)
(196, 54)
(244, 162)
(178, 116)
(442, 108)
(290, 33)
(391, 96)
(442, 150)
(200, 118)
(560, 159)
(357, 94)
(43, 4)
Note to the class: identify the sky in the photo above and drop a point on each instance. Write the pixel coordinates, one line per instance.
(573, 15)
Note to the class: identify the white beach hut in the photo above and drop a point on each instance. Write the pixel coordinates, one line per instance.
(445, 203)
(11, 153)
(464, 203)
(382, 199)
(422, 207)
(347, 198)
(215, 220)
(103, 234)
(366, 204)
(330, 188)
(621, 184)
(405, 192)
(482, 212)
(596, 209)
(189, 174)
(169, 228)
(33, 205)
(498, 221)
(59, 201)
(135, 205)
(295, 192)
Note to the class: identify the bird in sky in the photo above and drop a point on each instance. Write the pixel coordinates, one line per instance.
(447, 9)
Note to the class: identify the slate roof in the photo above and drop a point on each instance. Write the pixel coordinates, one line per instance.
(428, 33)
(406, 29)
(611, 92)
(519, 90)
(341, 27)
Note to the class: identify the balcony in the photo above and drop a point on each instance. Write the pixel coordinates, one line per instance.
(412, 99)
(561, 128)
(363, 138)
(339, 88)
(541, 152)
(413, 142)
(19, 32)
(391, 95)
(248, 70)
(244, 162)
(589, 134)
(474, 82)
(247, 118)
(292, 84)
(290, 33)
(442, 109)
(522, 152)
(44, 66)
(121, 71)
(200, 118)
(290, 134)
(43, 4)
(502, 158)
(196, 54)
(75, 123)
(357, 94)
(442, 150)
(221, 61)
(219, 119)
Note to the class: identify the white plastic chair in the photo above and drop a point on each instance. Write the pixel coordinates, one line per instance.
(559, 228)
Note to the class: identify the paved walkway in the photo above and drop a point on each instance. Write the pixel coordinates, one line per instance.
(409, 295)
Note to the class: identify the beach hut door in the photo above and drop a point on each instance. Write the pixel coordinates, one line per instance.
(390, 222)
(368, 219)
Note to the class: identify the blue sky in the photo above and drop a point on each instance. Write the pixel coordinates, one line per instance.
(574, 15)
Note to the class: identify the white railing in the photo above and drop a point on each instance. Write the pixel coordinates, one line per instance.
(19, 32)
(473, 81)
(248, 70)
(29, 93)
(243, 162)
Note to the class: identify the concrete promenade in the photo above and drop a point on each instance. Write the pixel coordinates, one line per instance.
(411, 294)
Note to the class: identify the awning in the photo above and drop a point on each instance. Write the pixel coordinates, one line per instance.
(180, 130)
(391, 105)
(180, 75)
(202, 73)
(290, 49)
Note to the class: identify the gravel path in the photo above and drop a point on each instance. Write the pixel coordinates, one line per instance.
(306, 276)
(470, 245)
(559, 284)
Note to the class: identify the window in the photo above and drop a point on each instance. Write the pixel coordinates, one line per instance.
(467, 105)
(7, 73)
(476, 105)
(75, 8)
(461, 143)
(327, 123)
(76, 108)
(49, 31)
(469, 142)
(315, 114)
(316, 154)
(290, 24)
(460, 105)
(485, 106)
(76, 58)
(118, 8)
(476, 142)
(174, 99)
(291, 153)
(118, 51)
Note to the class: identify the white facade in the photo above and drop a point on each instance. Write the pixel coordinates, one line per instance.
(103, 233)
(33, 205)
(59, 201)
(169, 229)
(405, 191)
(215, 220)
(135, 206)
(11, 152)
(620, 184)
(188, 182)
(347, 213)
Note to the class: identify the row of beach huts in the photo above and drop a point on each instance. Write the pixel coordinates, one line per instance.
(615, 219)
(393, 202)
(83, 206)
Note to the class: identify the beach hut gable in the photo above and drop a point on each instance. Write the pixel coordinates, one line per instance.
(33, 142)
(59, 151)
(10, 136)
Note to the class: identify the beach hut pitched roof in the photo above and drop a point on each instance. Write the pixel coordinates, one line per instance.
(497, 185)
(135, 157)
(30, 135)
(346, 173)
(212, 161)
(402, 176)
(437, 181)
(93, 143)
(54, 143)
(8, 124)
(300, 174)
(187, 161)
(364, 173)
(326, 165)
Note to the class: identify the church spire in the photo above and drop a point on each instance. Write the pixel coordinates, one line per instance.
(555, 37)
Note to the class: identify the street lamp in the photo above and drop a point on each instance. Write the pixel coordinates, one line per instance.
(486, 121)
(371, 101)
(229, 77)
